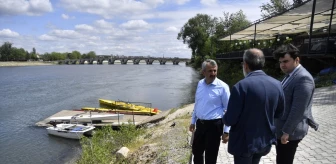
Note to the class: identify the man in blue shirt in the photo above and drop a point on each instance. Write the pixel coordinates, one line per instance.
(211, 101)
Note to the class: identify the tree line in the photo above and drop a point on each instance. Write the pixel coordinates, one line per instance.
(10, 53)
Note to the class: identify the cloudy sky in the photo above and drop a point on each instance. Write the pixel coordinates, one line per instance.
(123, 27)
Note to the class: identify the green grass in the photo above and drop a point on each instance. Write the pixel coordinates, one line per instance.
(171, 111)
(325, 80)
(101, 148)
(186, 159)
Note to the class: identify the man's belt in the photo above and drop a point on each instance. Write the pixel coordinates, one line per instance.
(208, 121)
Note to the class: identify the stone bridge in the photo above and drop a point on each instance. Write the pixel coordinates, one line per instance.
(125, 59)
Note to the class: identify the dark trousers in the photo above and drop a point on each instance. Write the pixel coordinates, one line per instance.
(207, 139)
(286, 152)
(248, 158)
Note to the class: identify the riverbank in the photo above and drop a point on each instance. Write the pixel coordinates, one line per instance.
(25, 63)
(165, 141)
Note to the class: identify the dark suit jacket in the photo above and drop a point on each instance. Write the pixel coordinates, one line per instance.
(253, 104)
(298, 90)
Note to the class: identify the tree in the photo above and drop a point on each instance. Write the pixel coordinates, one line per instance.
(18, 54)
(196, 33)
(46, 57)
(33, 56)
(76, 54)
(235, 21)
(275, 7)
(227, 25)
(28, 56)
(5, 51)
(202, 34)
(34, 50)
(91, 55)
(58, 56)
(84, 56)
(68, 55)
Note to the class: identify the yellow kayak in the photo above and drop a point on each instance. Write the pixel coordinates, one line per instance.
(123, 111)
(124, 105)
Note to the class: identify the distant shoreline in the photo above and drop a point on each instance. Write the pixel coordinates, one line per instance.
(28, 63)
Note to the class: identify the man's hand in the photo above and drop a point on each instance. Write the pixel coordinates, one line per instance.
(225, 138)
(284, 138)
(192, 127)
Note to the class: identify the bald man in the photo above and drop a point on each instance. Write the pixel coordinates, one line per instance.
(254, 103)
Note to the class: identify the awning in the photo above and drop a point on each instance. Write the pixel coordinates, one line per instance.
(294, 21)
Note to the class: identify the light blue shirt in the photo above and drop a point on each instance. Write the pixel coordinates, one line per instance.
(211, 101)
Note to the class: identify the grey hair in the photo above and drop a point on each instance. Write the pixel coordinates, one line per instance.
(208, 61)
(254, 58)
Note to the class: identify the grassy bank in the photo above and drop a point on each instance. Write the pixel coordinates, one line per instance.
(106, 142)
(25, 63)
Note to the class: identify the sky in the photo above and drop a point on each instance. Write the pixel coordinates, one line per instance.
(109, 27)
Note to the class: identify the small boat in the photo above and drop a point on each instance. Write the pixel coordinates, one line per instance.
(88, 118)
(72, 131)
(122, 111)
(125, 105)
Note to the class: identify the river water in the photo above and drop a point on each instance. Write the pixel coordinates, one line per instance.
(31, 94)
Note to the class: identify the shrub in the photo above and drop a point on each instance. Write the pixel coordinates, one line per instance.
(325, 80)
(105, 142)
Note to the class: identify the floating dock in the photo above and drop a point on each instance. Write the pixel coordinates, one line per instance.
(135, 119)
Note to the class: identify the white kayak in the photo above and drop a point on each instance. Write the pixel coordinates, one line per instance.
(72, 131)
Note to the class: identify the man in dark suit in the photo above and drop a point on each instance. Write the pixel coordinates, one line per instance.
(298, 87)
(254, 103)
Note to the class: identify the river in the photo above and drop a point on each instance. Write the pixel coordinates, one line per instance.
(31, 94)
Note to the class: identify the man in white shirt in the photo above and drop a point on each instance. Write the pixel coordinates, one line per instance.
(211, 99)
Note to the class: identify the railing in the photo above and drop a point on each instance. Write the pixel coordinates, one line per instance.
(239, 54)
(317, 49)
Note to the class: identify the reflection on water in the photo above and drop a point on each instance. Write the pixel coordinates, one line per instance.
(30, 94)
